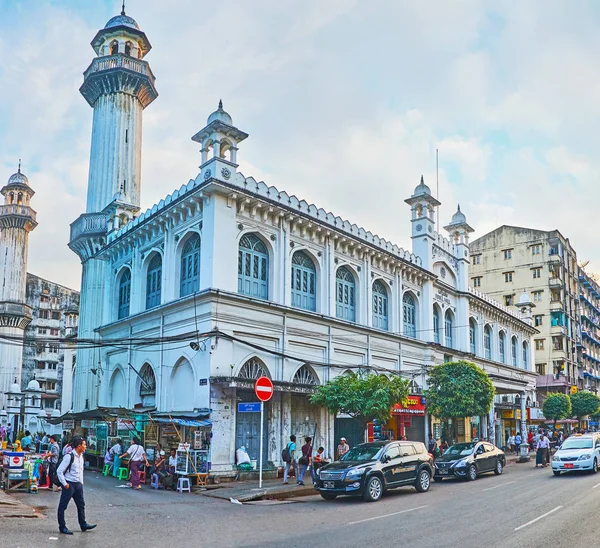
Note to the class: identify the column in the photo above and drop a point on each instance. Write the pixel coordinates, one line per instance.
(492, 424)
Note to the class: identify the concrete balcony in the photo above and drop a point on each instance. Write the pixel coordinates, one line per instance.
(555, 281)
(88, 234)
(554, 258)
(558, 330)
(556, 305)
(548, 381)
(15, 314)
(46, 374)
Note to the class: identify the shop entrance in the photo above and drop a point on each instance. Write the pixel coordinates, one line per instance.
(247, 428)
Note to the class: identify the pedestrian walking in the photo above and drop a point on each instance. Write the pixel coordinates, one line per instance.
(518, 441)
(542, 451)
(306, 459)
(342, 448)
(137, 454)
(431, 444)
(510, 444)
(289, 457)
(116, 451)
(52, 456)
(70, 475)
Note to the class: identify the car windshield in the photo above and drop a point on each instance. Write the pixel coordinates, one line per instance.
(364, 452)
(577, 443)
(459, 450)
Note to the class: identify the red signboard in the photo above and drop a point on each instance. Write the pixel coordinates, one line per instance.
(414, 406)
(263, 388)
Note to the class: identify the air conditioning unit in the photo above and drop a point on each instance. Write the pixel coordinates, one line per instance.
(504, 399)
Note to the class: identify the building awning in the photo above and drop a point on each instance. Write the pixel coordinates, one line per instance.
(185, 422)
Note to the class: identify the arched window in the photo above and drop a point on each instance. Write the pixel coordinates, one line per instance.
(345, 294)
(502, 346)
(487, 342)
(437, 327)
(449, 328)
(473, 336)
(409, 315)
(147, 385)
(253, 267)
(190, 266)
(127, 48)
(153, 282)
(124, 293)
(114, 47)
(253, 369)
(515, 345)
(525, 356)
(380, 305)
(304, 282)
(305, 375)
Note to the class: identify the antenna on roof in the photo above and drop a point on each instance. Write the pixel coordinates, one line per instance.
(437, 189)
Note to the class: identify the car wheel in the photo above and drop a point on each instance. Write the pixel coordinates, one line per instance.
(373, 489)
(595, 466)
(437, 479)
(472, 473)
(499, 468)
(556, 472)
(328, 496)
(423, 481)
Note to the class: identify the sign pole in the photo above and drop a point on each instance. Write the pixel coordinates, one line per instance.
(260, 457)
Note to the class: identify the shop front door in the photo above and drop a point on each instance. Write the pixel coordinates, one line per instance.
(248, 430)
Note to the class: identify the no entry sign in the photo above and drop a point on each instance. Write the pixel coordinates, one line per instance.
(263, 388)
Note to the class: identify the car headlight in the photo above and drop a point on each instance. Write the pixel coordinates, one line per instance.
(354, 473)
(461, 463)
(556, 457)
(585, 457)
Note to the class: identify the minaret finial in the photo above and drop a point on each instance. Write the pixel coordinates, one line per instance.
(221, 104)
(123, 8)
(19, 170)
(458, 207)
(422, 181)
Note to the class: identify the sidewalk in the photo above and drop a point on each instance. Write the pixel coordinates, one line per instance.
(10, 507)
(244, 491)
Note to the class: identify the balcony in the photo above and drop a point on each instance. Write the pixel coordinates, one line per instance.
(554, 258)
(557, 329)
(555, 281)
(88, 234)
(117, 61)
(556, 305)
(549, 381)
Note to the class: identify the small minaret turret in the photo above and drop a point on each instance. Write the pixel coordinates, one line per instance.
(423, 206)
(219, 140)
(17, 220)
(459, 231)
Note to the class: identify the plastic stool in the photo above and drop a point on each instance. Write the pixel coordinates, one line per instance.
(106, 470)
(154, 481)
(183, 484)
(123, 474)
(142, 474)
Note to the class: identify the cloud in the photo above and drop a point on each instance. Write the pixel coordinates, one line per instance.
(345, 103)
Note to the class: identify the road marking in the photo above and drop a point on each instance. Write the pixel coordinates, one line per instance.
(597, 485)
(538, 518)
(497, 486)
(388, 515)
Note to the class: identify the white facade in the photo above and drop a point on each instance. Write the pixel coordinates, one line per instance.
(263, 283)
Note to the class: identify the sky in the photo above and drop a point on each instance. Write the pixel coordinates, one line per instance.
(345, 102)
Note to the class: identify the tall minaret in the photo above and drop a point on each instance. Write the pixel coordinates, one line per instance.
(118, 85)
(17, 220)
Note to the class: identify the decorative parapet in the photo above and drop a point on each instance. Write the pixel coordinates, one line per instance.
(515, 313)
(17, 216)
(291, 203)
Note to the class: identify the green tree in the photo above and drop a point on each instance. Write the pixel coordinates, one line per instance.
(584, 403)
(363, 398)
(557, 406)
(458, 390)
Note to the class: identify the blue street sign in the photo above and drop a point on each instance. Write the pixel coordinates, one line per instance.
(253, 407)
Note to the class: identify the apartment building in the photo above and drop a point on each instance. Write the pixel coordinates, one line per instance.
(510, 260)
(589, 313)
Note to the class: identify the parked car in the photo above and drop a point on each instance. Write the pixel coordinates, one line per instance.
(469, 460)
(579, 452)
(370, 469)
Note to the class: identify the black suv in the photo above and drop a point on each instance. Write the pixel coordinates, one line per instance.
(370, 469)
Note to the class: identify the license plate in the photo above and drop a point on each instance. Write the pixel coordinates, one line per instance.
(443, 472)
(329, 484)
(568, 465)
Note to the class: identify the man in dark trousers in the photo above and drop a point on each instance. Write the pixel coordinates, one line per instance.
(70, 475)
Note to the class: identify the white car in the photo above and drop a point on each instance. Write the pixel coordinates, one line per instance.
(579, 452)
